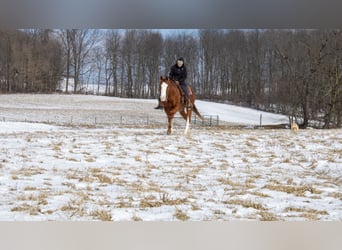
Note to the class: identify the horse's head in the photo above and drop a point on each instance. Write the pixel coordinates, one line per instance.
(164, 82)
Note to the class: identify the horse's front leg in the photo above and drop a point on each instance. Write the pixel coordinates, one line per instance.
(188, 119)
(169, 128)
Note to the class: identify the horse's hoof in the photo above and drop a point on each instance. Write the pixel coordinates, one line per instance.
(168, 132)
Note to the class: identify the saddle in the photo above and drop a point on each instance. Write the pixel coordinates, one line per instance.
(183, 98)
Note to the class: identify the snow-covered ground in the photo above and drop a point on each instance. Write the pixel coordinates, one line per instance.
(91, 110)
(76, 167)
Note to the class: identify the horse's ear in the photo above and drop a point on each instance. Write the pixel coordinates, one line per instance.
(161, 77)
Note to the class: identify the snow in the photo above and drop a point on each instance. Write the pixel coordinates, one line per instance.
(57, 163)
(240, 115)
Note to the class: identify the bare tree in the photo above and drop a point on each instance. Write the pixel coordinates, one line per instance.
(65, 36)
(152, 47)
(82, 42)
(129, 59)
(113, 39)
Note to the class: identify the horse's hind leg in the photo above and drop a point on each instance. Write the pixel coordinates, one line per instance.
(183, 113)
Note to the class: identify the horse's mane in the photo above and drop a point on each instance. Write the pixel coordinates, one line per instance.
(164, 78)
(168, 79)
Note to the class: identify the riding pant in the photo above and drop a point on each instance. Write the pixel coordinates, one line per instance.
(185, 89)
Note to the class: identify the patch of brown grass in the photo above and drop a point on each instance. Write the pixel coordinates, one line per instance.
(237, 185)
(259, 194)
(28, 171)
(89, 159)
(164, 199)
(31, 209)
(245, 203)
(303, 210)
(57, 146)
(267, 216)
(336, 195)
(136, 218)
(310, 214)
(226, 181)
(295, 190)
(180, 215)
(104, 178)
(101, 215)
(30, 188)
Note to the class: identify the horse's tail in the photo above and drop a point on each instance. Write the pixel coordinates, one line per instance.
(194, 108)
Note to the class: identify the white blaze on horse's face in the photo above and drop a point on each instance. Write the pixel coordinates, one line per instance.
(163, 92)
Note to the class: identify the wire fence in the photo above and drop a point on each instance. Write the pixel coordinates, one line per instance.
(103, 119)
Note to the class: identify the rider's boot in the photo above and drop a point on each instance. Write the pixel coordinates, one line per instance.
(160, 105)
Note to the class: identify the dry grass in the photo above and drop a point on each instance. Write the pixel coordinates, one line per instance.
(102, 215)
(28, 171)
(32, 203)
(267, 216)
(245, 203)
(180, 215)
(295, 190)
(90, 159)
(104, 178)
(226, 181)
(57, 147)
(336, 195)
(136, 218)
(164, 200)
(25, 207)
(259, 194)
(30, 188)
(304, 210)
(310, 214)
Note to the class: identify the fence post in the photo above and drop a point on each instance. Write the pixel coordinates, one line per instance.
(260, 120)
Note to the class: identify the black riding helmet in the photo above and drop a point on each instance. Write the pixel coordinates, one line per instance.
(180, 59)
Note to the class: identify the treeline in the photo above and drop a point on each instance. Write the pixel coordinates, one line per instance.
(30, 61)
(295, 72)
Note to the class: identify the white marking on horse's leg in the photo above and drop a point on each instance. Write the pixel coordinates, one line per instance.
(171, 125)
(163, 92)
(187, 126)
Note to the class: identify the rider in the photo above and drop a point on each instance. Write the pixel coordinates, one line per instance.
(178, 73)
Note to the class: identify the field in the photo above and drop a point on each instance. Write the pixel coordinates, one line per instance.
(84, 158)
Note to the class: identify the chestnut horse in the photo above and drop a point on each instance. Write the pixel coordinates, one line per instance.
(171, 100)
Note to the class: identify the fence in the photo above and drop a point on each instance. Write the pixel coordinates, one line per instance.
(209, 120)
(105, 119)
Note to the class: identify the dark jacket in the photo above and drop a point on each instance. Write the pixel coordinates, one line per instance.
(178, 73)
